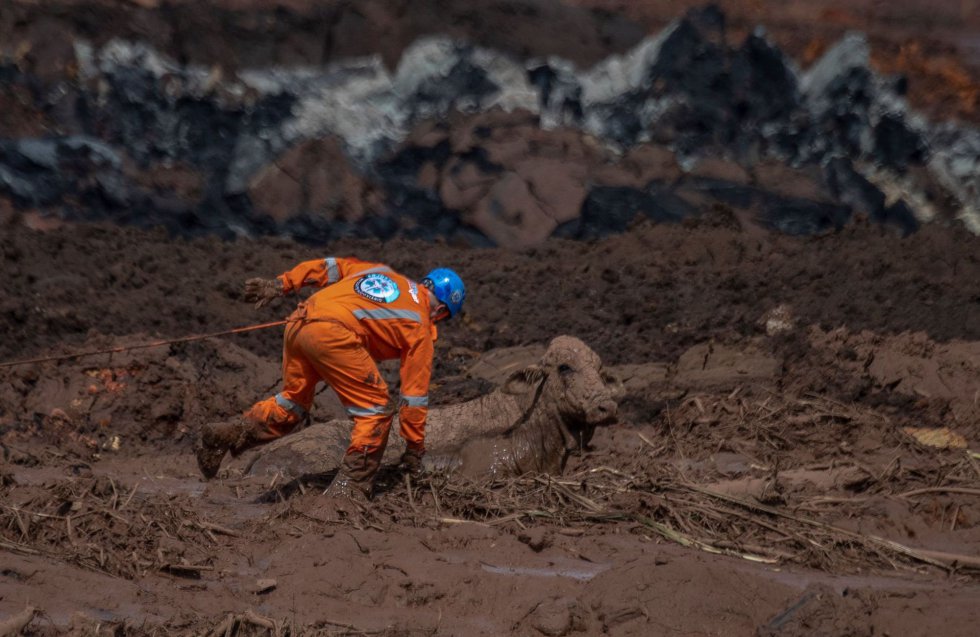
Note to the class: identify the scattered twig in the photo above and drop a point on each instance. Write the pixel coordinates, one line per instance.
(225, 627)
(935, 558)
(263, 622)
(17, 623)
(435, 500)
(217, 528)
(972, 459)
(177, 569)
(459, 521)
(408, 489)
(129, 498)
(686, 540)
(924, 490)
(19, 548)
(79, 522)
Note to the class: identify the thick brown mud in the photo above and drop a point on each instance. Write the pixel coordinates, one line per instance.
(763, 479)
(796, 452)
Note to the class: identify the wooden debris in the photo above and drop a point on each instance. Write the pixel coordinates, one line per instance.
(17, 623)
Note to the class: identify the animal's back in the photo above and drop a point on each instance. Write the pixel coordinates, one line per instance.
(320, 448)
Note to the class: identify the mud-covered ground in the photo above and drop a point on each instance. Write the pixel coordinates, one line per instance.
(764, 477)
(796, 453)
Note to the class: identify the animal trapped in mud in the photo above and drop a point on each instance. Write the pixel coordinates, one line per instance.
(540, 415)
(365, 312)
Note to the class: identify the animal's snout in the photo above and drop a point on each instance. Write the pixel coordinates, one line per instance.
(602, 412)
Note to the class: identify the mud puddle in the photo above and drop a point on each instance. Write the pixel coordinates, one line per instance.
(580, 571)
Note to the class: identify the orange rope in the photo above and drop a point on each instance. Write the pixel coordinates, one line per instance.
(113, 350)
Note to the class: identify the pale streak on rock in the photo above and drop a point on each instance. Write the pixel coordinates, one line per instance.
(373, 110)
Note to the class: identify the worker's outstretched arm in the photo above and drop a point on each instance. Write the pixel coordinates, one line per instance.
(416, 370)
(316, 272)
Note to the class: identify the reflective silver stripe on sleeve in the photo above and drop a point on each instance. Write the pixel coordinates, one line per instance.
(385, 313)
(333, 272)
(380, 268)
(367, 411)
(285, 403)
(415, 401)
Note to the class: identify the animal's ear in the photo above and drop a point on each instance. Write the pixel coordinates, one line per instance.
(524, 380)
(615, 384)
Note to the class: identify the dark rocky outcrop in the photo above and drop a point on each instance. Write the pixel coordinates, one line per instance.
(474, 144)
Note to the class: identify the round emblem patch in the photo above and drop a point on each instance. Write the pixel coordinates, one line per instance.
(377, 287)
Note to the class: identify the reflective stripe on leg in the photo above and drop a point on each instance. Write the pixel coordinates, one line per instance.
(414, 401)
(370, 433)
(289, 405)
(375, 410)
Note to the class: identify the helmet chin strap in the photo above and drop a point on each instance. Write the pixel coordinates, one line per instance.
(438, 311)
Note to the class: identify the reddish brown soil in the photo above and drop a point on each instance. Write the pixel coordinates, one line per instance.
(762, 480)
(749, 431)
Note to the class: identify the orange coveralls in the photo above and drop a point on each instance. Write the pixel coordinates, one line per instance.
(366, 312)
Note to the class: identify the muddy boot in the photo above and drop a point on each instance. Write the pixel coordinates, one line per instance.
(216, 439)
(356, 476)
(411, 462)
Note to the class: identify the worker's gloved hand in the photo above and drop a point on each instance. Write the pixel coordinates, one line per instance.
(262, 290)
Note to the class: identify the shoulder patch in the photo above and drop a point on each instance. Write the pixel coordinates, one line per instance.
(378, 288)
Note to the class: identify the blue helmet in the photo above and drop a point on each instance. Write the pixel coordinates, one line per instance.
(448, 288)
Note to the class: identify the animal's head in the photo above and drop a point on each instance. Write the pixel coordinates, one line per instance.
(570, 376)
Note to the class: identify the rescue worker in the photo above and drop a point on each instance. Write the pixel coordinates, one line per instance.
(366, 312)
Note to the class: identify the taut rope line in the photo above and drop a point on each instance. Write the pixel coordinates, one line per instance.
(160, 343)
